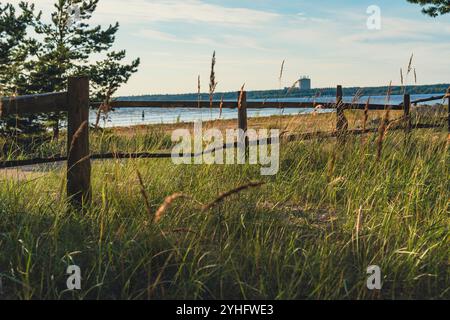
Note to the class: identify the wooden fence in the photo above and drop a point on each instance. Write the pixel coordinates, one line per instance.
(76, 103)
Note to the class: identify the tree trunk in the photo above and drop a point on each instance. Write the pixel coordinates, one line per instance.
(56, 130)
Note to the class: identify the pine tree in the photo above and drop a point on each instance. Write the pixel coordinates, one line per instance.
(16, 48)
(107, 77)
(433, 8)
(69, 41)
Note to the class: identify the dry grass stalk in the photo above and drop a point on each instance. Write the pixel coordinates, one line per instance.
(401, 77)
(359, 221)
(227, 194)
(241, 96)
(1, 96)
(77, 135)
(447, 144)
(184, 230)
(358, 225)
(382, 130)
(80, 161)
(292, 87)
(388, 94)
(212, 80)
(281, 71)
(410, 63)
(167, 203)
(447, 95)
(198, 91)
(409, 69)
(279, 81)
(394, 122)
(331, 165)
(221, 106)
(366, 118)
(144, 193)
(381, 135)
(366, 115)
(357, 96)
(355, 100)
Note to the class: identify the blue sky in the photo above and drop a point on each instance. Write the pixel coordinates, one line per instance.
(327, 40)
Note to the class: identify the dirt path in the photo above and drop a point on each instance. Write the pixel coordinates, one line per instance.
(28, 173)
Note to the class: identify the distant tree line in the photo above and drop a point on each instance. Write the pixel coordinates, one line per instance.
(37, 55)
(297, 93)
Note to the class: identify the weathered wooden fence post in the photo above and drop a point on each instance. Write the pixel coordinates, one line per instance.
(242, 113)
(78, 157)
(341, 121)
(242, 110)
(407, 112)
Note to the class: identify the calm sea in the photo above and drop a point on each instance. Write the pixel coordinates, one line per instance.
(141, 116)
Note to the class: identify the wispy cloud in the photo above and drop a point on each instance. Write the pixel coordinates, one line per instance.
(216, 41)
(193, 11)
(402, 30)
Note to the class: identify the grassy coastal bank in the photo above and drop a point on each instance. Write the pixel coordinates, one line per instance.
(309, 232)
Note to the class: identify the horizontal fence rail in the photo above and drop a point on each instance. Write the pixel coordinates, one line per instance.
(31, 104)
(165, 155)
(435, 98)
(250, 105)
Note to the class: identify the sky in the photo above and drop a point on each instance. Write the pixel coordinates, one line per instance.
(328, 40)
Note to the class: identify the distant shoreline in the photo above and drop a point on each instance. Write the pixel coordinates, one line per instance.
(296, 93)
(304, 122)
(152, 115)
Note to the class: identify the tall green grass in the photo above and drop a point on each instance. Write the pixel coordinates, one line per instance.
(309, 233)
(101, 141)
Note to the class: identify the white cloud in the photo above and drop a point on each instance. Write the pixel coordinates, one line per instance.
(402, 30)
(144, 11)
(184, 10)
(218, 41)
